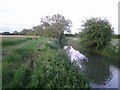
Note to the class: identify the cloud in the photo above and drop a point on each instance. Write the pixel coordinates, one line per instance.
(29, 12)
(13, 27)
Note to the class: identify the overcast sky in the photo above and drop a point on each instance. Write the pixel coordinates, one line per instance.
(19, 14)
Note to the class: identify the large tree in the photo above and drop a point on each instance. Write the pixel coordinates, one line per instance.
(53, 26)
(96, 33)
(27, 32)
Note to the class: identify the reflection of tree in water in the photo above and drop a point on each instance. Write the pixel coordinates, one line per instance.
(97, 69)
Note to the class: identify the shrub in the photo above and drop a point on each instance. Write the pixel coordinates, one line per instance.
(112, 51)
(96, 34)
(21, 77)
(54, 70)
(51, 68)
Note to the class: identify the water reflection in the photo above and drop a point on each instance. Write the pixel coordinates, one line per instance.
(113, 83)
(97, 69)
(100, 71)
(75, 56)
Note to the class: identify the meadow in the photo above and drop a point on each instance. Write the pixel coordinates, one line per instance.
(38, 62)
(9, 40)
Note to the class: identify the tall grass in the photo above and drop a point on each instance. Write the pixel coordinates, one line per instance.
(13, 41)
(113, 50)
(0, 74)
(47, 67)
(110, 52)
(16, 61)
(54, 70)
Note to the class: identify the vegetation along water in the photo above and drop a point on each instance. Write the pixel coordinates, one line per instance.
(40, 63)
(43, 57)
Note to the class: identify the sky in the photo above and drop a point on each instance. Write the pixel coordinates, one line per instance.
(15, 15)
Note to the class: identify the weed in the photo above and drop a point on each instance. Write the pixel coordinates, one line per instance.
(54, 70)
(51, 67)
(12, 42)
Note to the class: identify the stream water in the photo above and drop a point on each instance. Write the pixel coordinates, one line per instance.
(102, 72)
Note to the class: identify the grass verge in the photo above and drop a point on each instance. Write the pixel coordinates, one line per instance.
(11, 42)
(41, 64)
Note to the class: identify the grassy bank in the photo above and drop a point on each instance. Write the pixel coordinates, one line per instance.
(0, 74)
(14, 40)
(40, 63)
(112, 51)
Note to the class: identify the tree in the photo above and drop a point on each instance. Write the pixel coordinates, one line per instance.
(96, 33)
(38, 30)
(6, 33)
(53, 26)
(27, 32)
(15, 33)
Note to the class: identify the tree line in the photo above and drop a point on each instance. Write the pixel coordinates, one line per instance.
(50, 26)
(96, 32)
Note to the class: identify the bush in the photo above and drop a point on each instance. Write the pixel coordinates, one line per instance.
(97, 33)
(112, 51)
(21, 77)
(47, 68)
(54, 70)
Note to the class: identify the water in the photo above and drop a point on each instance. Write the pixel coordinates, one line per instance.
(102, 72)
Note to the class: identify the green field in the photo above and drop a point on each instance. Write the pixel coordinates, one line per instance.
(38, 63)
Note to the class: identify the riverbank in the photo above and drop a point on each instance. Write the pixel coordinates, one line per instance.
(39, 63)
(106, 76)
(112, 51)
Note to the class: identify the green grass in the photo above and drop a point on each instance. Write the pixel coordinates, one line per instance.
(48, 66)
(11, 42)
(0, 74)
(15, 62)
(54, 70)
(0, 64)
(112, 51)
(74, 41)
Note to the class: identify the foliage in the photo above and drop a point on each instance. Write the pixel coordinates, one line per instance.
(56, 72)
(31, 67)
(27, 32)
(70, 35)
(57, 21)
(0, 73)
(96, 33)
(110, 52)
(117, 36)
(15, 67)
(113, 50)
(51, 26)
(6, 33)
